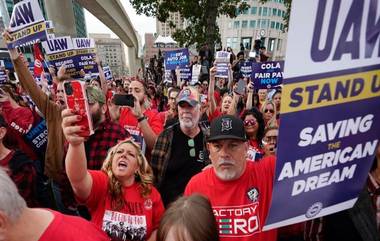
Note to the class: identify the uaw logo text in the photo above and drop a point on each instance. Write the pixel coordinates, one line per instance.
(237, 221)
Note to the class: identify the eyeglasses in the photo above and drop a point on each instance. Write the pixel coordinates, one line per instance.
(269, 110)
(191, 144)
(250, 122)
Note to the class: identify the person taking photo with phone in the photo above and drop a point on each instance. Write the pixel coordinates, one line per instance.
(121, 196)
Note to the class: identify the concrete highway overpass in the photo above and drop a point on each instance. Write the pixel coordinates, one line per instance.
(113, 15)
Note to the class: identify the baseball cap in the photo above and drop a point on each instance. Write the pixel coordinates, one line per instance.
(189, 95)
(94, 94)
(227, 127)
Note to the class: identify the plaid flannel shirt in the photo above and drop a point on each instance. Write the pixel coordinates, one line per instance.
(162, 151)
(106, 136)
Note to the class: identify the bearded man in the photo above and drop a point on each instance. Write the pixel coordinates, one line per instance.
(180, 150)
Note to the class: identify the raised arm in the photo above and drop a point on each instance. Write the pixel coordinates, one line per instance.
(211, 89)
(27, 81)
(230, 78)
(248, 105)
(102, 78)
(76, 162)
(232, 110)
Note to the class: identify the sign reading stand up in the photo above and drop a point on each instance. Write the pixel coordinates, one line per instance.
(330, 110)
(27, 24)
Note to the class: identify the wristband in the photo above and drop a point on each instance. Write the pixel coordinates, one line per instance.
(141, 118)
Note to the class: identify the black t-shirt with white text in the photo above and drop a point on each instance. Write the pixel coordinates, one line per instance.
(187, 159)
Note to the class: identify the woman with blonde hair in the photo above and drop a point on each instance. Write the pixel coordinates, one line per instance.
(120, 197)
(268, 109)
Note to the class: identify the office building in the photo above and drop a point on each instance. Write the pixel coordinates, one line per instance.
(112, 53)
(260, 21)
(154, 43)
(164, 29)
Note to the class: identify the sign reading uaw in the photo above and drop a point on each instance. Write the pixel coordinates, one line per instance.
(27, 25)
(330, 110)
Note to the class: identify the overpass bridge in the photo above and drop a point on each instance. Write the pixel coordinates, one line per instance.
(111, 13)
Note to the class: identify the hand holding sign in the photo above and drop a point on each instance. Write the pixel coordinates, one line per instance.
(27, 25)
(61, 74)
(12, 51)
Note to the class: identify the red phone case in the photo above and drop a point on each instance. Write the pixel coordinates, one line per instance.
(77, 101)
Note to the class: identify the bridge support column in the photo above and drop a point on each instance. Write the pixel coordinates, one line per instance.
(62, 13)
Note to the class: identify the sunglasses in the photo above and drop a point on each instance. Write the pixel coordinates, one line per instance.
(250, 122)
(269, 110)
(191, 144)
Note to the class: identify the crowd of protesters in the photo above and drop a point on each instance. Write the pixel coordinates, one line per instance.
(176, 140)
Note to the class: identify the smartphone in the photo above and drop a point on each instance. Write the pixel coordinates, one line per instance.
(124, 100)
(241, 84)
(76, 99)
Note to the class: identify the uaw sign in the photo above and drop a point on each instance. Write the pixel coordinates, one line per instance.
(85, 55)
(176, 58)
(50, 29)
(107, 73)
(27, 24)
(61, 51)
(267, 75)
(76, 54)
(329, 110)
(222, 59)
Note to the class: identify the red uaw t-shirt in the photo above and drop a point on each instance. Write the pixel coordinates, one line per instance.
(128, 119)
(70, 228)
(240, 206)
(136, 221)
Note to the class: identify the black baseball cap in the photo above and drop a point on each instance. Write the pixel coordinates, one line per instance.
(227, 127)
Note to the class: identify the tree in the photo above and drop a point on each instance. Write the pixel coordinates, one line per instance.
(200, 16)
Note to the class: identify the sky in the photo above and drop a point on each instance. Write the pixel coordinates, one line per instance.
(141, 23)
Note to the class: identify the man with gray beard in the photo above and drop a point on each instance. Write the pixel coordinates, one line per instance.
(180, 150)
(239, 191)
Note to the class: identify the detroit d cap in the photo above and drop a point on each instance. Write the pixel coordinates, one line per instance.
(227, 127)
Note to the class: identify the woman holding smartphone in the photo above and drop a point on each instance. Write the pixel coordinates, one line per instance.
(120, 197)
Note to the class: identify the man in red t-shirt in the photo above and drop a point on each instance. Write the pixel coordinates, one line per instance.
(18, 222)
(239, 191)
(141, 120)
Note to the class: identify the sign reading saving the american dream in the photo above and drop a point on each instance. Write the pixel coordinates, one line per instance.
(267, 75)
(330, 109)
(222, 59)
(176, 58)
(76, 54)
(27, 25)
